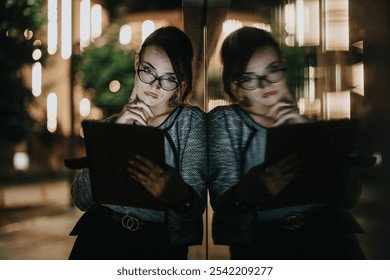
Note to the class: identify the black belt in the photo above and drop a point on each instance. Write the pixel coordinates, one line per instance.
(131, 222)
(317, 221)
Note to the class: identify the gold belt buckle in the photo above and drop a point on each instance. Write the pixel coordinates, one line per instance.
(131, 223)
(294, 221)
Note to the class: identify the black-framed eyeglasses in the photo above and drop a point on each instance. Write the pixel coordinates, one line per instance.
(252, 82)
(165, 82)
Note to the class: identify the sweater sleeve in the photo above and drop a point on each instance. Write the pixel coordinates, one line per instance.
(190, 131)
(81, 190)
(226, 137)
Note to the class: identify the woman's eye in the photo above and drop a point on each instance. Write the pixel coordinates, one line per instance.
(247, 79)
(275, 68)
(148, 70)
(171, 79)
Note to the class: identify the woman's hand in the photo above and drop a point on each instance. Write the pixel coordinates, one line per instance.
(164, 184)
(263, 183)
(284, 112)
(135, 112)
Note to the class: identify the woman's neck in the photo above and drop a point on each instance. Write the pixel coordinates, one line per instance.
(259, 114)
(160, 115)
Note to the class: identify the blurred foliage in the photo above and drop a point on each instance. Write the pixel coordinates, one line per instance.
(100, 65)
(297, 62)
(16, 16)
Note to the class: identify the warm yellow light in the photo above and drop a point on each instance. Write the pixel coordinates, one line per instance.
(36, 79)
(85, 23)
(309, 107)
(28, 34)
(338, 105)
(114, 86)
(37, 54)
(308, 22)
(52, 36)
(289, 14)
(229, 26)
(21, 161)
(336, 25)
(125, 35)
(262, 25)
(66, 29)
(216, 102)
(96, 21)
(147, 28)
(358, 78)
(51, 112)
(85, 107)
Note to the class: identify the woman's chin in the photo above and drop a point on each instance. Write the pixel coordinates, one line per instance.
(270, 101)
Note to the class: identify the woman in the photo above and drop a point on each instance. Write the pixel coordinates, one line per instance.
(163, 82)
(241, 184)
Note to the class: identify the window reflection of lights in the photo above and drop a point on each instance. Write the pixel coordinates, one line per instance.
(66, 29)
(358, 78)
(312, 84)
(308, 22)
(28, 34)
(309, 107)
(37, 54)
(336, 25)
(96, 21)
(147, 28)
(230, 25)
(114, 86)
(263, 26)
(289, 13)
(125, 35)
(52, 37)
(216, 102)
(290, 41)
(21, 161)
(85, 23)
(338, 105)
(85, 107)
(52, 112)
(359, 46)
(36, 79)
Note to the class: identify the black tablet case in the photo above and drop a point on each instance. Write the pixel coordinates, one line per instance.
(109, 146)
(326, 148)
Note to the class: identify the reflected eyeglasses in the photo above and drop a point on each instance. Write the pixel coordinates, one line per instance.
(252, 82)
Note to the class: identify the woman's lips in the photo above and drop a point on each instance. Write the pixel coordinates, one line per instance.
(270, 93)
(151, 94)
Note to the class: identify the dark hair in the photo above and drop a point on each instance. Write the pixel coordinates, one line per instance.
(237, 48)
(180, 52)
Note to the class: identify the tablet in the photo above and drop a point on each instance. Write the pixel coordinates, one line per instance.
(109, 146)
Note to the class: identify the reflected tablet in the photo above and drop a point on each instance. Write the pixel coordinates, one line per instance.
(334, 140)
(325, 148)
(109, 146)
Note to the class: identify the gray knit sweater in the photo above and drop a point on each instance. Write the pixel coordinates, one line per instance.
(186, 135)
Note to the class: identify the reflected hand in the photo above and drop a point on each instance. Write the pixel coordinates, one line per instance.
(164, 184)
(285, 111)
(263, 183)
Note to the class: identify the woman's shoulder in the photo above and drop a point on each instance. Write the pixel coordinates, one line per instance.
(190, 112)
(227, 112)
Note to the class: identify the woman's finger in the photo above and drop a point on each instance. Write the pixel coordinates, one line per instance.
(131, 118)
(156, 169)
(141, 105)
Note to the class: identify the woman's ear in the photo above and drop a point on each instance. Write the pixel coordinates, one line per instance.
(136, 61)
